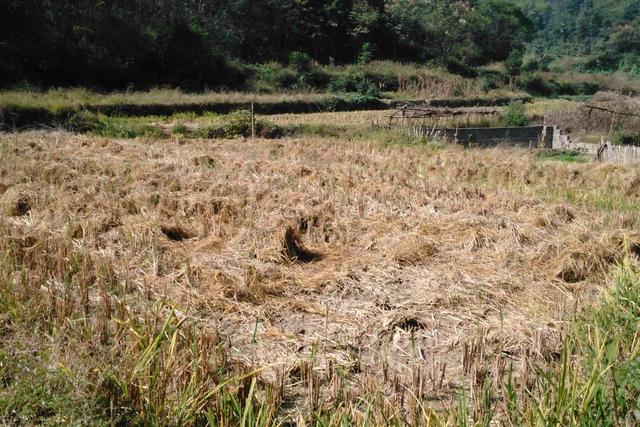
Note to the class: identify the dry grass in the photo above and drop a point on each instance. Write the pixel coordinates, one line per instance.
(542, 106)
(618, 81)
(58, 98)
(381, 266)
(342, 118)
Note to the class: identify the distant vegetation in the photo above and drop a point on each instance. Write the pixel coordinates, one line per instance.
(595, 35)
(269, 45)
(194, 44)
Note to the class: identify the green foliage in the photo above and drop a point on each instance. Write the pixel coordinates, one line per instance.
(568, 156)
(344, 102)
(366, 54)
(271, 77)
(604, 388)
(492, 80)
(630, 63)
(301, 74)
(627, 139)
(457, 66)
(514, 115)
(367, 90)
(300, 61)
(238, 124)
(199, 45)
(599, 32)
(36, 392)
(514, 62)
(341, 84)
(180, 129)
(500, 28)
(111, 127)
(536, 84)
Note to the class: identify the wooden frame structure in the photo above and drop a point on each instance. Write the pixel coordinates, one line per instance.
(614, 115)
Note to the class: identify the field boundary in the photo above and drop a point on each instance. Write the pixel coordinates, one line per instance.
(18, 117)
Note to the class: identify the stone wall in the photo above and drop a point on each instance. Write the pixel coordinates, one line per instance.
(526, 136)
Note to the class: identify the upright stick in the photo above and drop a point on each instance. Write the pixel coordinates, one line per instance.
(253, 123)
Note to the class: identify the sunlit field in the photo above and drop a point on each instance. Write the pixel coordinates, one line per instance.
(304, 280)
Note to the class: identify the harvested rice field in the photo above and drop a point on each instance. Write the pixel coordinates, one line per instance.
(296, 277)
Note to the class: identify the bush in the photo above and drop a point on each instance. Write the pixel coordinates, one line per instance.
(360, 82)
(273, 76)
(346, 102)
(366, 54)
(341, 84)
(513, 62)
(315, 78)
(238, 124)
(514, 115)
(536, 85)
(492, 80)
(627, 139)
(83, 122)
(367, 89)
(300, 61)
(180, 129)
(457, 66)
(531, 65)
(383, 81)
(630, 63)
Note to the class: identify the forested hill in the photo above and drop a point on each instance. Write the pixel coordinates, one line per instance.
(198, 43)
(605, 33)
(115, 42)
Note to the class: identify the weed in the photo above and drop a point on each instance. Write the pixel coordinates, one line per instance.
(568, 156)
(514, 115)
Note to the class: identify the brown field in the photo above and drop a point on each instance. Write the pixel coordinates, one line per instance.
(334, 268)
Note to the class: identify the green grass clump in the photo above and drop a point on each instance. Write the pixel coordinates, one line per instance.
(36, 391)
(568, 156)
(596, 381)
(112, 127)
(239, 124)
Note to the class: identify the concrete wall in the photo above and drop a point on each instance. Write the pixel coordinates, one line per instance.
(527, 136)
(531, 137)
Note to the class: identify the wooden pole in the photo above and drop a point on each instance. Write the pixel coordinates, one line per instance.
(253, 122)
(613, 119)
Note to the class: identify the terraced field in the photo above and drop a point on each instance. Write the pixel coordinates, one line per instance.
(177, 281)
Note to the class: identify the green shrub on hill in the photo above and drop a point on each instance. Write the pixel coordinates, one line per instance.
(514, 115)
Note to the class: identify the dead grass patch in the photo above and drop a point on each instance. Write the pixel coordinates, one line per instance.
(413, 250)
(341, 240)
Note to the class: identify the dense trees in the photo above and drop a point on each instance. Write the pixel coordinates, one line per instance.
(193, 43)
(107, 43)
(199, 43)
(604, 32)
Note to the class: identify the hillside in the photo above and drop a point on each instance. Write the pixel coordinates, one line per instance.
(605, 35)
